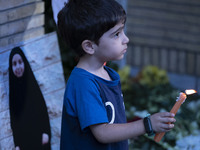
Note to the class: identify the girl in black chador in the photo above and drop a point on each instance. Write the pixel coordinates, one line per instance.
(28, 111)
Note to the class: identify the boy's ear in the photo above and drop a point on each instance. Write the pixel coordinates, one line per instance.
(88, 47)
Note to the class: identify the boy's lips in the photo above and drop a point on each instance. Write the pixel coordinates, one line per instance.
(124, 51)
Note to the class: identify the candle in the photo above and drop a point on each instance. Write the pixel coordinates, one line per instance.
(174, 110)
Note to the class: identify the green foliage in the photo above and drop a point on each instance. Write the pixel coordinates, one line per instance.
(150, 91)
(151, 76)
(124, 75)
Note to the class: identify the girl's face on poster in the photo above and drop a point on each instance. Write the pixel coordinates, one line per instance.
(17, 65)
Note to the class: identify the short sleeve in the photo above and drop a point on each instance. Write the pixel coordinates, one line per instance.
(87, 102)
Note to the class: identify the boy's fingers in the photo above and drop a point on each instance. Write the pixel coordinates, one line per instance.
(167, 114)
(166, 127)
(166, 120)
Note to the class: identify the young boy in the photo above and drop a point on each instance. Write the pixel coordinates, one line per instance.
(93, 111)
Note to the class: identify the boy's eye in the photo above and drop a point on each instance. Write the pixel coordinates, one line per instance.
(117, 34)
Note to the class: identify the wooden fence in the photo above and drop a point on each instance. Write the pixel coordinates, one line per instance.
(165, 34)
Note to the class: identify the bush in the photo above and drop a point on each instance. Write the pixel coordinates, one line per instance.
(151, 92)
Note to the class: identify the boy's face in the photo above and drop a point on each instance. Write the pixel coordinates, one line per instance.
(113, 44)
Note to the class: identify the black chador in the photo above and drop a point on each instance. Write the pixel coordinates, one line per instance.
(28, 112)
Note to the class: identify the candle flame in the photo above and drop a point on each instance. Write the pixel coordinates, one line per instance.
(190, 91)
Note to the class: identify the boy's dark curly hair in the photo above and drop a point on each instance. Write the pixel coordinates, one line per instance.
(81, 20)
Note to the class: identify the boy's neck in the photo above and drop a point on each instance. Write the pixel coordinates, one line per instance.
(93, 66)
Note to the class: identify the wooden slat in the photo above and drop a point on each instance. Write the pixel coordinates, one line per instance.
(198, 65)
(177, 7)
(135, 56)
(190, 65)
(21, 12)
(164, 16)
(168, 35)
(7, 4)
(164, 59)
(172, 61)
(173, 2)
(146, 56)
(159, 42)
(182, 62)
(133, 22)
(168, 59)
(155, 56)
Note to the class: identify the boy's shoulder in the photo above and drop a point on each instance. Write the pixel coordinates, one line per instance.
(81, 74)
(81, 77)
(81, 81)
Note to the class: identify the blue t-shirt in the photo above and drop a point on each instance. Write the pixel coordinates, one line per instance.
(91, 100)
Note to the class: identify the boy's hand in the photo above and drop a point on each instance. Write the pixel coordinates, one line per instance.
(161, 122)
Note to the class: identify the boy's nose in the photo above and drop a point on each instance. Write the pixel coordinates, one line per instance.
(126, 39)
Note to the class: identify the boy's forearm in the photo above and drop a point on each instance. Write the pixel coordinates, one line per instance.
(109, 133)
